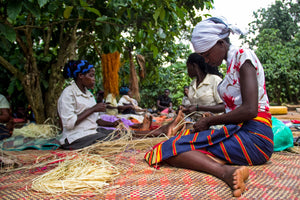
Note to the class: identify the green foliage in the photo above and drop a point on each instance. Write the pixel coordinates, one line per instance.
(40, 31)
(173, 78)
(278, 48)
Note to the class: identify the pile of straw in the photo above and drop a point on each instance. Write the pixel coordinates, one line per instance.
(125, 142)
(85, 170)
(78, 174)
(46, 131)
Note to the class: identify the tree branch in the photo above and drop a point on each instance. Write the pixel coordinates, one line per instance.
(11, 68)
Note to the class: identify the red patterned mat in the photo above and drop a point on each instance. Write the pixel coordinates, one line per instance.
(278, 179)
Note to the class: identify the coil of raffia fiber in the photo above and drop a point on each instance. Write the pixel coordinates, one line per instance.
(278, 110)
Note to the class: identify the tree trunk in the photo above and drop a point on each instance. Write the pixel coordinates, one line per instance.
(134, 84)
(56, 81)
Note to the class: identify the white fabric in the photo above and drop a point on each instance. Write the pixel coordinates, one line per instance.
(185, 101)
(71, 103)
(3, 102)
(206, 34)
(206, 93)
(229, 89)
(111, 99)
(125, 100)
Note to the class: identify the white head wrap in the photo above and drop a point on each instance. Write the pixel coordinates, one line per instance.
(206, 33)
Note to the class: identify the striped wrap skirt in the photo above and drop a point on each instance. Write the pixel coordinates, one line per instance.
(248, 143)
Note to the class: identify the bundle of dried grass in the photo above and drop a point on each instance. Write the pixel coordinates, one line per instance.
(125, 142)
(46, 131)
(78, 174)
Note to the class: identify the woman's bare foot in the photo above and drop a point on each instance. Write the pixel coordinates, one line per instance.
(173, 128)
(236, 180)
(146, 122)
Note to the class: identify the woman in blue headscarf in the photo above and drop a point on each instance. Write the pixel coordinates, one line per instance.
(77, 108)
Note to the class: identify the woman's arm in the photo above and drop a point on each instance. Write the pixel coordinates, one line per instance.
(4, 117)
(99, 107)
(160, 106)
(101, 122)
(249, 108)
(214, 109)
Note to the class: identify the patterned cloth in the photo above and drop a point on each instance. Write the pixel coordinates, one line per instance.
(20, 143)
(249, 143)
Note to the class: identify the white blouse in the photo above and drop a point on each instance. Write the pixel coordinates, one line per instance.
(229, 89)
(71, 103)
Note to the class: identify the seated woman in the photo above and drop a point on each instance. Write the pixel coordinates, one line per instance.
(202, 96)
(6, 120)
(247, 137)
(127, 104)
(77, 108)
(202, 93)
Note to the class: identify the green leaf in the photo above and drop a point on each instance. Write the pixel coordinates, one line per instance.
(83, 3)
(154, 50)
(156, 14)
(93, 10)
(67, 12)
(42, 2)
(33, 9)
(8, 32)
(101, 19)
(106, 29)
(13, 9)
(162, 14)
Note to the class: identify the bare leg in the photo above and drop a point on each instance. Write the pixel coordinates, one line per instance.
(235, 177)
(173, 128)
(145, 126)
(169, 129)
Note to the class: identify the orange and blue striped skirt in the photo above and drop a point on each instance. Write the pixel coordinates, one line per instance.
(248, 143)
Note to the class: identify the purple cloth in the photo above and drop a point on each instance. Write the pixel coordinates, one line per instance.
(112, 118)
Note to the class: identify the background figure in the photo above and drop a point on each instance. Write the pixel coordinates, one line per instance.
(164, 102)
(185, 100)
(127, 104)
(6, 120)
(100, 97)
(113, 104)
(78, 109)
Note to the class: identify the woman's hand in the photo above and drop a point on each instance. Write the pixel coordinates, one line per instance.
(201, 125)
(99, 107)
(189, 109)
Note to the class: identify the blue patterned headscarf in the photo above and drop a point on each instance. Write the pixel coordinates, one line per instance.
(124, 90)
(72, 68)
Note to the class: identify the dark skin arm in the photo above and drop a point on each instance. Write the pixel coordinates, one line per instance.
(160, 106)
(248, 109)
(99, 107)
(164, 107)
(124, 107)
(214, 109)
(4, 117)
(101, 122)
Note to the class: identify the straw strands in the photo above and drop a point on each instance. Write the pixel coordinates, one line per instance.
(125, 142)
(77, 175)
(32, 130)
(85, 170)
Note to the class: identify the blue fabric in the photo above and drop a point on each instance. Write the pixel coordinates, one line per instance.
(249, 144)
